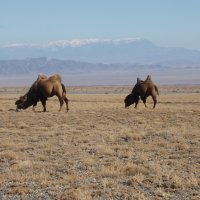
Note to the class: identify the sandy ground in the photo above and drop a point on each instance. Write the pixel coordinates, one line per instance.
(99, 149)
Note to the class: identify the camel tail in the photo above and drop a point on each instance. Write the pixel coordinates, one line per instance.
(64, 89)
(156, 88)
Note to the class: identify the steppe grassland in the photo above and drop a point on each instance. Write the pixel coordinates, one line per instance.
(100, 150)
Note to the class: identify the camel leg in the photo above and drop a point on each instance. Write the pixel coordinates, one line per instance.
(66, 102)
(136, 103)
(61, 103)
(154, 101)
(34, 105)
(64, 98)
(144, 101)
(44, 105)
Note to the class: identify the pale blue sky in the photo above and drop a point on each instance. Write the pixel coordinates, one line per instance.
(174, 23)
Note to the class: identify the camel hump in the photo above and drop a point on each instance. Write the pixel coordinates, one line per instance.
(41, 76)
(138, 80)
(34, 85)
(148, 79)
(55, 77)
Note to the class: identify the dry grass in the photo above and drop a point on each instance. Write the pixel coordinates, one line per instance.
(100, 150)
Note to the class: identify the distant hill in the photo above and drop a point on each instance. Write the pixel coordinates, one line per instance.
(44, 65)
(97, 62)
(24, 72)
(133, 50)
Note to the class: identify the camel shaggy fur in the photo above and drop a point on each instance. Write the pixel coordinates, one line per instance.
(142, 89)
(40, 90)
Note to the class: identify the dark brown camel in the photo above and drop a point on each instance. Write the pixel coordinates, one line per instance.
(41, 89)
(142, 89)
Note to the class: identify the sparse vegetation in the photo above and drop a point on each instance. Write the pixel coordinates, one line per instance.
(100, 150)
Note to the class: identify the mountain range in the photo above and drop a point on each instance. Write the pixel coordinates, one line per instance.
(131, 50)
(99, 61)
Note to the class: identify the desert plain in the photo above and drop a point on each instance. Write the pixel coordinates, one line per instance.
(100, 150)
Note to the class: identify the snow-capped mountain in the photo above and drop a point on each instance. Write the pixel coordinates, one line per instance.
(125, 50)
(98, 61)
